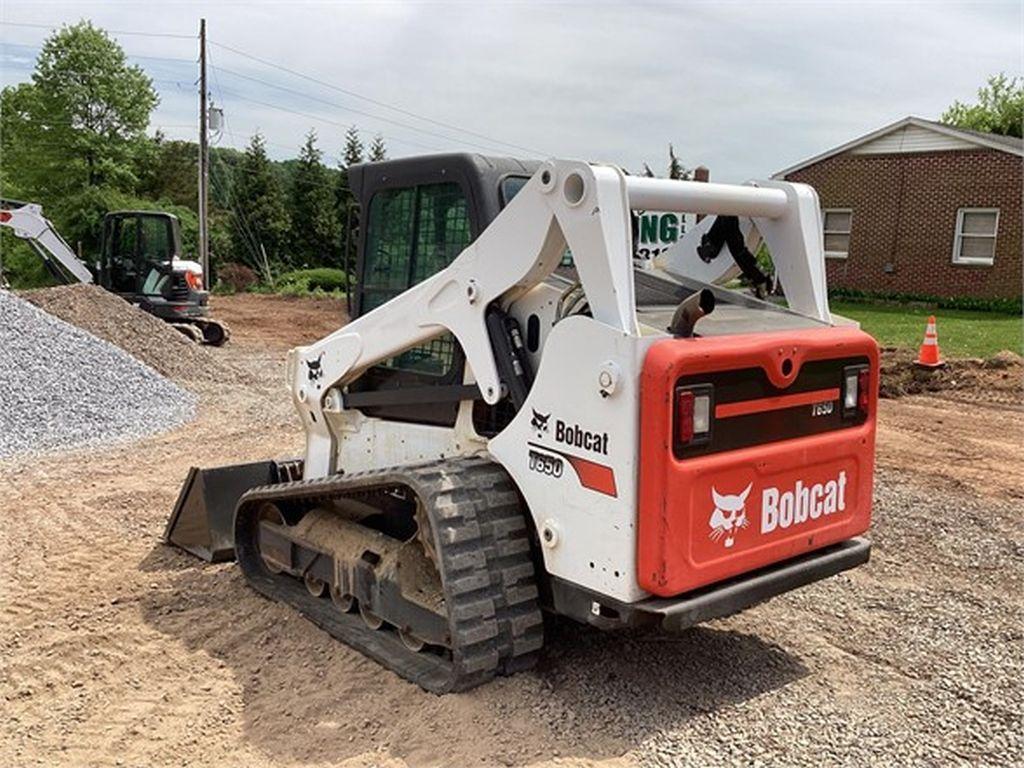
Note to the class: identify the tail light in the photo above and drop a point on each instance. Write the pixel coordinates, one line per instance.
(194, 280)
(856, 390)
(694, 409)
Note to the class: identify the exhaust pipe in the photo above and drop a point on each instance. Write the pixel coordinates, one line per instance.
(689, 311)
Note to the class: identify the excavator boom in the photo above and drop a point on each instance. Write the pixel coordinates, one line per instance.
(27, 222)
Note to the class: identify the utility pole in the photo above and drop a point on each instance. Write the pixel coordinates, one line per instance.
(204, 159)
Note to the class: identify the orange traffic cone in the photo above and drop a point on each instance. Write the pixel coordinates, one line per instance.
(928, 356)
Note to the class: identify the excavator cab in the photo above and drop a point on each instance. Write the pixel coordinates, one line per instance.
(137, 251)
(141, 261)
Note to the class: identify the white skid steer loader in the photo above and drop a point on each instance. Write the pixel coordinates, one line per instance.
(496, 434)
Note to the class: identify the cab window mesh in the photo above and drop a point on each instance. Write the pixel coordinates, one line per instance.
(414, 233)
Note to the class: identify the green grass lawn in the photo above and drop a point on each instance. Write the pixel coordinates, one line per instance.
(961, 333)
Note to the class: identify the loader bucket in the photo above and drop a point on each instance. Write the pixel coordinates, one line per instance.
(202, 521)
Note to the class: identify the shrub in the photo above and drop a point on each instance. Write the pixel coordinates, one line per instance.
(236, 277)
(307, 280)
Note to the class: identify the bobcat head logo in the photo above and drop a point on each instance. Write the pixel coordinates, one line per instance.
(729, 516)
(540, 421)
(314, 370)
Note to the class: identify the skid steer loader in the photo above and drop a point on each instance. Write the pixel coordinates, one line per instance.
(495, 435)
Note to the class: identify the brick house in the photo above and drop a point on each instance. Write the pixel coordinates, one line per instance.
(920, 207)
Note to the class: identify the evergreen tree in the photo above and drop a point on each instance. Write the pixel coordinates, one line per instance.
(378, 151)
(315, 229)
(259, 209)
(675, 168)
(353, 152)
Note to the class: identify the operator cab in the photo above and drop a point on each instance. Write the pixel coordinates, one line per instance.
(137, 249)
(141, 260)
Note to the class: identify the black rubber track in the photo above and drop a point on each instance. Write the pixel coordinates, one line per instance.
(487, 572)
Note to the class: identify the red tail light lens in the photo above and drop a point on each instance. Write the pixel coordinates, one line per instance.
(694, 409)
(194, 280)
(863, 389)
(684, 416)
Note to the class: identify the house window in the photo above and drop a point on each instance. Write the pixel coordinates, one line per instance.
(975, 241)
(837, 232)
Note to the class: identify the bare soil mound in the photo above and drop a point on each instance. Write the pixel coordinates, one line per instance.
(998, 379)
(141, 335)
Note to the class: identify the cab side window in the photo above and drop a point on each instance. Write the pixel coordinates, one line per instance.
(389, 241)
(155, 239)
(412, 234)
(122, 244)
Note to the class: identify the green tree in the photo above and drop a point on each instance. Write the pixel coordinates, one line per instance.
(1000, 108)
(352, 154)
(82, 117)
(167, 170)
(315, 229)
(260, 220)
(70, 135)
(675, 168)
(378, 151)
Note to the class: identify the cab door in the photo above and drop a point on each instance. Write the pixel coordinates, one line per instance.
(412, 232)
(120, 272)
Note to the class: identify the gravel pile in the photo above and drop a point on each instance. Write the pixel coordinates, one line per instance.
(63, 387)
(143, 336)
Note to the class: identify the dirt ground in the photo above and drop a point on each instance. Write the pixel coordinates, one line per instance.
(116, 650)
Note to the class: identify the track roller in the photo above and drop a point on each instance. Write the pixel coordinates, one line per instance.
(372, 620)
(316, 587)
(410, 641)
(344, 603)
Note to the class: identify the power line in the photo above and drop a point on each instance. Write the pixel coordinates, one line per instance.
(376, 102)
(248, 239)
(38, 49)
(234, 138)
(326, 120)
(310, 78)
(355, 111)
(111, 31)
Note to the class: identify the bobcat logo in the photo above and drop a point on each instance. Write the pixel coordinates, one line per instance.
(314, 370)
(540, 422)
(729, 516)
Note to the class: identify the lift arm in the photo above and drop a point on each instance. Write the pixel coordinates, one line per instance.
(565, 203)
(27, 222)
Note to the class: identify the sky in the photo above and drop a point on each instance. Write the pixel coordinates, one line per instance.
(744, 88)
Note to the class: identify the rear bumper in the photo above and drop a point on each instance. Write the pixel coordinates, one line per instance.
(714, 601)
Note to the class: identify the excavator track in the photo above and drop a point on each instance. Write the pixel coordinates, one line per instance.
(484, 620)
(212, 332)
